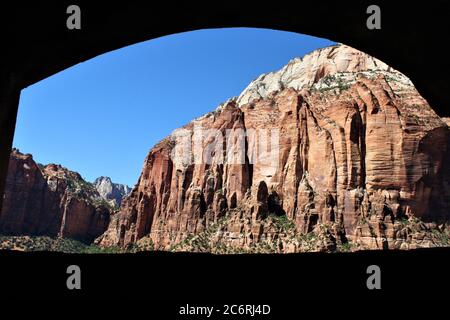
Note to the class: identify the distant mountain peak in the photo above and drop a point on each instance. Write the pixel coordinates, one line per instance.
(110, 191)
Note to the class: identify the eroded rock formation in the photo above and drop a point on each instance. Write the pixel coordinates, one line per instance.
(50, 200)
(362, 160)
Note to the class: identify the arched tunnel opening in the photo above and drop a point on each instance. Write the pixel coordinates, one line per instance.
(355, 163)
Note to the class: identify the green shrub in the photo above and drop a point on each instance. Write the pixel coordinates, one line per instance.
(283, 223)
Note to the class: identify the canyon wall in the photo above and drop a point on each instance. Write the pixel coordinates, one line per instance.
(335, 149)
(52, 201)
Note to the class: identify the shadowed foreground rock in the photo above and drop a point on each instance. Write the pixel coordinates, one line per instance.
(363, 162)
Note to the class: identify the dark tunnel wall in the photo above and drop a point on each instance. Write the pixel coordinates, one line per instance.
(37, 44)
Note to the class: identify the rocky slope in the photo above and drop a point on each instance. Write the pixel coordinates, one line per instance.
(360, 160)
(111, 192)
(50, 200)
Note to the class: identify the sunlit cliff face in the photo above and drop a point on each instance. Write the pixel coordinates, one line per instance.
(336, 145)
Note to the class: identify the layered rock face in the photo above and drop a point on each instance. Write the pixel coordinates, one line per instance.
(337, 149)
(111, 192)
(51, 201)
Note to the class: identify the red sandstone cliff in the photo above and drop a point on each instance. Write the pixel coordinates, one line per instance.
(362, 159)
(50, 201)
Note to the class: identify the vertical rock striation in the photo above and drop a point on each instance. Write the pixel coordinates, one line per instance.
(361, 158)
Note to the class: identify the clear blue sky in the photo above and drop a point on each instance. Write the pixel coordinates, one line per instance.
(102, 116)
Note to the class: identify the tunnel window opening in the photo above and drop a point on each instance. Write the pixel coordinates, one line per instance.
(106, 131)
